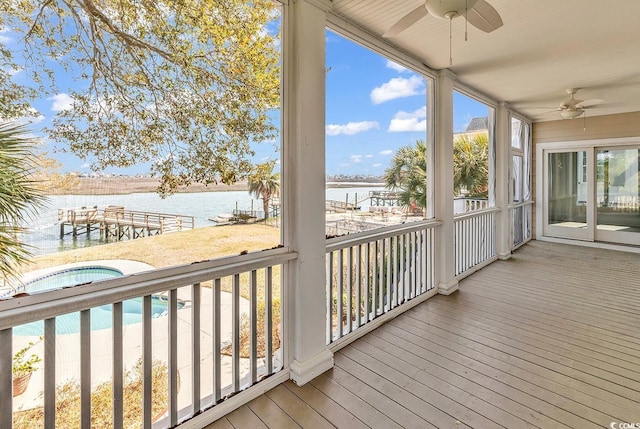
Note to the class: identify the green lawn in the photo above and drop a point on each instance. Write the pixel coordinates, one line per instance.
(173, 249)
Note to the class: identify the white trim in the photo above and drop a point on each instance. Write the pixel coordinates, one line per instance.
(594, 244)
(473, 93)
(622, 141)
(377, 322)
(218, 411)
(541, 189)
(17, 311)
(351, 240)
(449, 287)
(324, 5)
(363, 37)
(303, 372)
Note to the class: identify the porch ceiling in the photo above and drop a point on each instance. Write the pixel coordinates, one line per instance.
(544, 47)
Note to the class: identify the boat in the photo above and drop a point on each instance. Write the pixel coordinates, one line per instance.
(224, 219)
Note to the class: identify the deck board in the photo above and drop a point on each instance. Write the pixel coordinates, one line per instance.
(547, 339)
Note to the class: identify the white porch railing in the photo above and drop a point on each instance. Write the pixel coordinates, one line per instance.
(466, 205)
(372, 273)
(521, 215)
(475, 240)
(218, 332)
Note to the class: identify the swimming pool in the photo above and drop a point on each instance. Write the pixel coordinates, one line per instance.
(70, 277)
(101, 317)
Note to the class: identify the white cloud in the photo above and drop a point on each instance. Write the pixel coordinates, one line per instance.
(398, 87)
(344, 164)
(85, 165)
(33, 117)
(61, 102)
(386, 152)
(395, 66)
(350, 128)
(356, 158)
(377, 164)
(409, 121)
(368, 156)
(11, 71)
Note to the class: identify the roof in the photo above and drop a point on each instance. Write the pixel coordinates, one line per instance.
(478, 124)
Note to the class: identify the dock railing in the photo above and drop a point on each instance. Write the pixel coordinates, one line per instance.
(240, 293)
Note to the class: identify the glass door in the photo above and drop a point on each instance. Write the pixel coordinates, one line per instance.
(618, 195)
(567, 211)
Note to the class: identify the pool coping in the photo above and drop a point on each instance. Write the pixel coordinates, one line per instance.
(125, 266)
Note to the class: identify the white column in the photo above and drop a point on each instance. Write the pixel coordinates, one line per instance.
(503, 148)
(445, 264)
(304, 187)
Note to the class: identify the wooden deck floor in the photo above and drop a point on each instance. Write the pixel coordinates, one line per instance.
(549, 339)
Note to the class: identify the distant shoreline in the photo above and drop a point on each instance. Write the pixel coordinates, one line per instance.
(132, 185)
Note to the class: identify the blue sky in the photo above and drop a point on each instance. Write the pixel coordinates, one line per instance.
(373, 107)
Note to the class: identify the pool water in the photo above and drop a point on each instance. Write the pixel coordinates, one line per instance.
(71, 277)
(101, 317)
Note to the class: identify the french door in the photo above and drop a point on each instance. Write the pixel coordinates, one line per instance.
(593, 193)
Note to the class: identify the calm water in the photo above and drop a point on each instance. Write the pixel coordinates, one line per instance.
(45, 230)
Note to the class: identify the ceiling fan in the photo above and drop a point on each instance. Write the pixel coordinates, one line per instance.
(478, 13)
(574, 108)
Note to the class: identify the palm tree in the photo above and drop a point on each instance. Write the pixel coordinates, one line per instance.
(265, 184)
(19, 196)
(408, 171)
(408, 175)
(471, 164)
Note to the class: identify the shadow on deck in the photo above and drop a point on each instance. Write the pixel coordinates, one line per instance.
(550, 338)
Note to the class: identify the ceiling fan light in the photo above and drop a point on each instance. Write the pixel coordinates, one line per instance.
(571, 113)
(443, 8)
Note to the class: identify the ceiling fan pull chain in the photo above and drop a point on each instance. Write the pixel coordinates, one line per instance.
(584, 121)
(450, 50)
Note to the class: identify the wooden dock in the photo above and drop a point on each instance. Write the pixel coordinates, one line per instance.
(384, 198)
(118, 223)
(340, 206)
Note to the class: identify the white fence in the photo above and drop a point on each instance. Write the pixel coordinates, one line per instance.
(374, 272)
(466, 205)
(210, 335)
(475, 240)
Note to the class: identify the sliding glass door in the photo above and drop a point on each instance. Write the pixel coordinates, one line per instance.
(593, 194)
(617, 195)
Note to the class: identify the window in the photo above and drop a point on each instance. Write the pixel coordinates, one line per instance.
(376, 139)
(472, 153)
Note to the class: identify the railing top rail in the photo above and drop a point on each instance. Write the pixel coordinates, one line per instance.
(477, 213)
(351, 240)
(17, 311)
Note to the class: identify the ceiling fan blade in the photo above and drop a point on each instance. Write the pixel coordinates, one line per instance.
(484, 17)
(547, 111)
(589, 103)
(406, 21)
